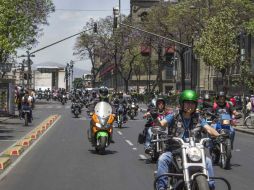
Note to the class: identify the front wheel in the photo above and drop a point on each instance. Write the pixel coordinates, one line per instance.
(26, 119)
(200, 183)
(102, 145)
(225, 158)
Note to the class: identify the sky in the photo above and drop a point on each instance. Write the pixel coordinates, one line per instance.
(68, 19)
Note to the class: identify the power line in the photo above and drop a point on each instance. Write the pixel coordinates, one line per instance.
(88, 10)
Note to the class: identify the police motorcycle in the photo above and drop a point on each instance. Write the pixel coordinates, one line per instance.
(188, 168)
(101, 126)
(132, 110)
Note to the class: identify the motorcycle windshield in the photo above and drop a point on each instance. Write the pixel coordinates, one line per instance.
(103, 109)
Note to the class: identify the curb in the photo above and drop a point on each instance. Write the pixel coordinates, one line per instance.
(21, 145)
(247, 131)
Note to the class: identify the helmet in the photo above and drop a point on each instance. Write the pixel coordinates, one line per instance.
(103, 92)
(188, 95)
(160, 99)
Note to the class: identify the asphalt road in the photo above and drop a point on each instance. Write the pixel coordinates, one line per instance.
(64, 159)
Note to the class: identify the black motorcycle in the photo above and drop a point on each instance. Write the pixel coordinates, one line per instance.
(76, 109)
(26, 115)
(157, 146)
(132, 110)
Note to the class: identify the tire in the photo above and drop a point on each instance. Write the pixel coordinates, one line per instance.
(26, 119)
(247, 123)
(225, 159)
(102, 146)
(200, 183)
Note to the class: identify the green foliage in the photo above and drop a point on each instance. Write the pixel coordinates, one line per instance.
(217, 42)
(19, 23)
(78, 83)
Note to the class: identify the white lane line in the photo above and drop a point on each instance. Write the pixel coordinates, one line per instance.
(49, 107)
(134, 148)
(58, 107)
(67, 107)
(12, 165)
(143, 157)
(119, 132)
(129, 142)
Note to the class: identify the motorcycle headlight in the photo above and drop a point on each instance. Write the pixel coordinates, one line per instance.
(103, 121)
(98, 125)
(194, 154)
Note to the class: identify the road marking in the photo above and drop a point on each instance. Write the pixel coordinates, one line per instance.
(134, 148)
(119, 132)
(50, 107)
(129, 142)
(58, 107)
(237, 150)
(67, 107)
(8, 140)
(5, 172)
(142, 157)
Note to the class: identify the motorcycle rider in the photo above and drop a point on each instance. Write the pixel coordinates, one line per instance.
(161, 113)
(27, 104)
(186, 119)
(220, 106)
(121, 100)
(103, 96)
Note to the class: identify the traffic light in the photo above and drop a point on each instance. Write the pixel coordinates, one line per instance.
(169, 57)
(95, 29)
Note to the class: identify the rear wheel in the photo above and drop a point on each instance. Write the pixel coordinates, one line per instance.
(200, 183)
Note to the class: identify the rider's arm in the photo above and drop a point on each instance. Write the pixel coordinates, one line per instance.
(210, 130)
(168, 120)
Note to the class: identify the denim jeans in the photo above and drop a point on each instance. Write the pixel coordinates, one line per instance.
(164, 163)
(148, 137)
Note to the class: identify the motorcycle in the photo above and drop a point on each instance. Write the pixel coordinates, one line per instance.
(119, 117)
(76, 109)
(55, 96)
(26, 115)
(63, 99)
(132, 111)
(47, 96)
(189, 169)
(157, 147)
(102, 126)
(221, 148)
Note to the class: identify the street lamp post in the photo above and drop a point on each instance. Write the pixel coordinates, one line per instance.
(29, 63)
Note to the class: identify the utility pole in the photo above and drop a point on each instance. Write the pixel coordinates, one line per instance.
(116, 15)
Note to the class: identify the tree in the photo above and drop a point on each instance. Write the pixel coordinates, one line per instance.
(78, 83)
(20, 24)
(96, 46)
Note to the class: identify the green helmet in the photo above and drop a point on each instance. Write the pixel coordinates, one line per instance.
(188, 95)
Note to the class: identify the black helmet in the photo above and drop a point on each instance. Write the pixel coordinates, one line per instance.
(103, 92)
(120, 94)
(94, 93)
(160, 99)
